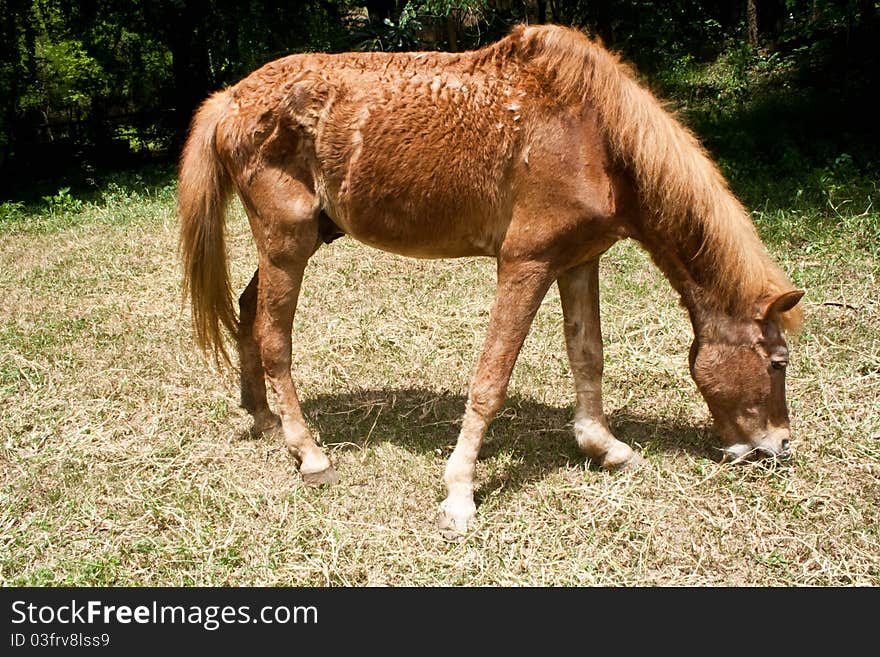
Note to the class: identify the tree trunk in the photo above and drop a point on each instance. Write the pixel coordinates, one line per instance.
(379, 10)
(752, 22)
(452, 32)
(867, 12)
(188, 42)
(23, 127)
(771, 20)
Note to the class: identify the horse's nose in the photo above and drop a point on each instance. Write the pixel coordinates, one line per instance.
(786, 444)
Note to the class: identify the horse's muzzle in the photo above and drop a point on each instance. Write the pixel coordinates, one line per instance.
(746, 452)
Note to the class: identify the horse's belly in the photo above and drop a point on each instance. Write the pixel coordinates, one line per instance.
(424, 172)
(420, 230)
(425, 206)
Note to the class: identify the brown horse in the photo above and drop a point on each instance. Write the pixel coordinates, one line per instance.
(540, 150)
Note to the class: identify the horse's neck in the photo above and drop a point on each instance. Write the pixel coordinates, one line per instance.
(681, 266)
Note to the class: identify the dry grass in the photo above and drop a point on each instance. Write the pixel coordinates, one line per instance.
(124, 460)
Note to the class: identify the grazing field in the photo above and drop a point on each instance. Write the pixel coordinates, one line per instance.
(124, 459)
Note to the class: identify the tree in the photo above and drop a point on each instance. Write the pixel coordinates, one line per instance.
(752, 21)
(71, 71)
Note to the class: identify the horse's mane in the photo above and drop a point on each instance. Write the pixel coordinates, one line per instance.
(687, 200)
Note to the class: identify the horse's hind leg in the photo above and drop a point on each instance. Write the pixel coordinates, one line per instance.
(276, 304)
(579, 292)
(283, 216)
(253, 377)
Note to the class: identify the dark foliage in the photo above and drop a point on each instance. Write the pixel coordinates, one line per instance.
(88, 84)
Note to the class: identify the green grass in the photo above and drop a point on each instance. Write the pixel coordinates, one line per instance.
(116, 198)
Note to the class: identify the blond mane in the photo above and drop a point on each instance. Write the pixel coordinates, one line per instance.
(687, 200)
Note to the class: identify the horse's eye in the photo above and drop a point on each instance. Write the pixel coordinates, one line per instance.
(778, 364)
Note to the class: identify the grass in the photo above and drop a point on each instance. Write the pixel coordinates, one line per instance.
(125, 459)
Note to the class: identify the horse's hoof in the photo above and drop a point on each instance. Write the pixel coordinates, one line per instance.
(622, 458)
(265, 427)
(634, 462)
(327, 476)
(454, 519)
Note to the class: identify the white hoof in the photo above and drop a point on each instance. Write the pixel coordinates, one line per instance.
(622, 457)
(456, 517)
(328, 476)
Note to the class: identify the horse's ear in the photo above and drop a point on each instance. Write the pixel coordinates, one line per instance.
(777, 304)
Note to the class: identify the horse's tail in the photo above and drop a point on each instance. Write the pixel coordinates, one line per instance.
(203, 194)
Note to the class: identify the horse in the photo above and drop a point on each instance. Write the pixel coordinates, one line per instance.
(541, 150)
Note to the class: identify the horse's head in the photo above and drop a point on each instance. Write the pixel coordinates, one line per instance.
(739, 367)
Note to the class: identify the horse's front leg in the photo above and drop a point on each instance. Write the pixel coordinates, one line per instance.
(579, 292)
(521, 287)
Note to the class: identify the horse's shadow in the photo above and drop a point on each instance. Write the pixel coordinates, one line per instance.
(538, 438)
